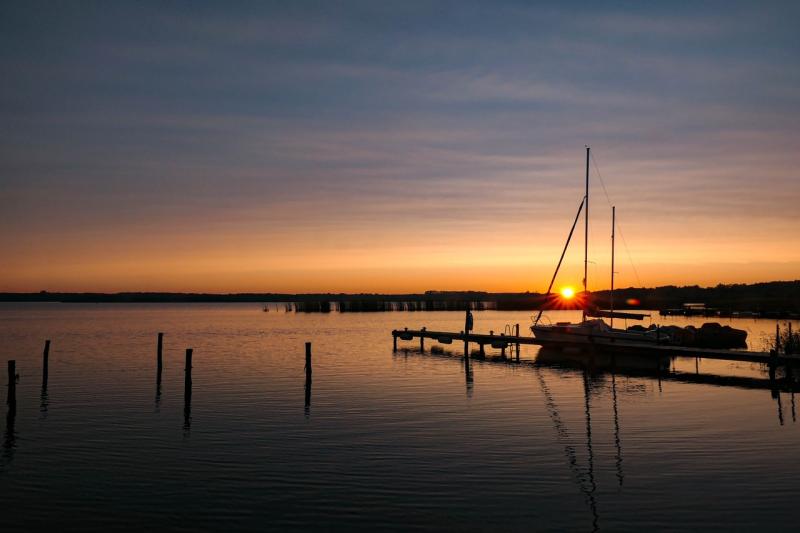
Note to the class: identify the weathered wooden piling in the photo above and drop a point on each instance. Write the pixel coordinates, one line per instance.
(468, 324)
(187, 391)
(159, 356)
(308, 378)
(187, 376)
(771, 371)
(394, 342)
(12, 383)
(516, 334)
(159, 365)
(777, 338)
(422, 342)
(45, 363)
(308, 362)
(772, 364)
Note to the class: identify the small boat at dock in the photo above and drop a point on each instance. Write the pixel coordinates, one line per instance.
(595, 331)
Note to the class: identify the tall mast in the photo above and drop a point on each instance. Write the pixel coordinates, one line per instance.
(613, 231)
(586, 239)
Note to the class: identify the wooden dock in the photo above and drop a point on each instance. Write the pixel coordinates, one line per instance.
(502, 342)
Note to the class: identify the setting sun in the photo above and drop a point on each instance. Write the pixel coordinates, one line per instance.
(568, 292)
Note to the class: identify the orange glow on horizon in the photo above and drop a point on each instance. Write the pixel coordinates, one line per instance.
(568, 293)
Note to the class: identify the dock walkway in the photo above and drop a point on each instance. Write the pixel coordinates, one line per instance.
(502, 341)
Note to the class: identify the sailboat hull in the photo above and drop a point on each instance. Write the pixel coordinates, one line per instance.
(591, 333)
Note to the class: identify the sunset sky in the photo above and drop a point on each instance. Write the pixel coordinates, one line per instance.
(395, 147)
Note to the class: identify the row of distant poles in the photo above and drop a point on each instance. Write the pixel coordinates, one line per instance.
(13, 378)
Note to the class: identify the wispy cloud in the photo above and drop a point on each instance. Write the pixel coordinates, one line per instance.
(219, 133)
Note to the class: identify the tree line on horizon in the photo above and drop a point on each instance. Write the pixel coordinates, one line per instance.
(767, 296)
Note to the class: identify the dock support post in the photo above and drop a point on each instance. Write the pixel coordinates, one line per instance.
(468, 373)
(421, 341)
(12, 384)
(773, 363)
(394, 341)
(777, 338)
(482, 352)
(467, 328)
(45, 363)
(516, 334)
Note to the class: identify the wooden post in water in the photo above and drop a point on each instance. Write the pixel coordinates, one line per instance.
(308, 377)
(467, 371)
(12, 383)
(777, 338)
(773, 363)
(159, 366)
(187, 392)
(308, 362)
(394, 342)
(516, 334)
(790, 341)
(422, 341)
(467, 328)
(45, 363)
(159, 358)
(187, 377)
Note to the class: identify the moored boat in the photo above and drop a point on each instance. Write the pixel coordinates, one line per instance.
(593, 331)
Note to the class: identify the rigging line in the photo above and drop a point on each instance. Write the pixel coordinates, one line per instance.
(618, 226)
(630, 258)
(602, 183)
(550, 288)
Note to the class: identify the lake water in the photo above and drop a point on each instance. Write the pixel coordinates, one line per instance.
(393, 441)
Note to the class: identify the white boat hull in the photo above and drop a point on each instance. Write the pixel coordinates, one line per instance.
(591, 333)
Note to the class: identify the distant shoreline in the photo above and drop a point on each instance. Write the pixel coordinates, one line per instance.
(775, 296)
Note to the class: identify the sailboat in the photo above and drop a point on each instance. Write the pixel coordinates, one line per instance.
(592, 329)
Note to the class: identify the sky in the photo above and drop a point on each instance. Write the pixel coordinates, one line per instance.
(395, 147)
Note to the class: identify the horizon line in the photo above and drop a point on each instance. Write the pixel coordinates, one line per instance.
(422, 293)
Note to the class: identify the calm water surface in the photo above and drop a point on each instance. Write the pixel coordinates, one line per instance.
(390, 440)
